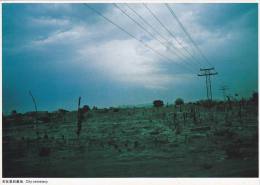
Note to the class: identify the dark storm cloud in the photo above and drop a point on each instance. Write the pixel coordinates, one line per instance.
(61, 51)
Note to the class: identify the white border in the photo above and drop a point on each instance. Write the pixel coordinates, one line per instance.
(157, 181)
(1, 56)
(136, 181)
(131, 1)
(144, 181)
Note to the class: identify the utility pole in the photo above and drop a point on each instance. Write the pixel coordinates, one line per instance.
(207, 72)
(224, 88)
(35, 106)
(79, 118)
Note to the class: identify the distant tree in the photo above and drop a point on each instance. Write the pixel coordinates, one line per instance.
(94, 108)
(179, 102)
(62, 111)
(85, 108)
(14, 113)
(254, 97)
(158, 103)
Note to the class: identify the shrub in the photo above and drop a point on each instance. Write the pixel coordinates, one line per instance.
(14, 113)
(179, 102)
(254, 97)
(85, 109)
(158, 103)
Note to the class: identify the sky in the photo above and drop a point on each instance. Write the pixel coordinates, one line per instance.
(62, 51)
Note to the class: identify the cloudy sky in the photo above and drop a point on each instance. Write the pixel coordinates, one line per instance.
(63, 51)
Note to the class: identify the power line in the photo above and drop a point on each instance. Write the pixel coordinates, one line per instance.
(187, 33)
(169, 32)
(165, 39)
(131, 35)
(146, 22)
(224, 88)
(192, 41)
(143, 28)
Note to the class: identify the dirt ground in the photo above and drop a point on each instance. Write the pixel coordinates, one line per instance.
(137, 142)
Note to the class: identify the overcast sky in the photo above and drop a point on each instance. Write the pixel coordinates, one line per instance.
(63, 51)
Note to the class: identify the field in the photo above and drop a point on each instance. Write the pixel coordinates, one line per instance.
(187, 141)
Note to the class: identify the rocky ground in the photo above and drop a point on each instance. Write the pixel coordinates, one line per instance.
(137, 142)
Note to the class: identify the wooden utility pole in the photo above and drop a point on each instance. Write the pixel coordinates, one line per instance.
(79, 118)
(207, 72)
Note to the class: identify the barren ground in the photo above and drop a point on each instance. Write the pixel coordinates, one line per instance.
(136, 142)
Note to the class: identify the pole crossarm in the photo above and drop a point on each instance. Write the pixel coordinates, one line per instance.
(207, 69)
(208, 74)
